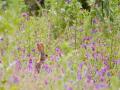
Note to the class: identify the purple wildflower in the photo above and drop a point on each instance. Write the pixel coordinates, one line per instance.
(52, 57)
(15, 79)
(18, 48)
(89, 78)
(57, 58)
(95, 21)
(68, 87)
(93, 46)
(29, 55)
(93, 31)
(18, 65)
(108, 74)
(87, 55)
(87, 38)
(81, 30)
(105, 62)
(59, 52)
(57, 49)
(81, 64)
(33, 50)
(30, 66)
(116, 61)
(1, 39)
(102, 78)
(47, 68)
(68, 1)
(79, 77)
(70, 65)
(101, 86)
(46, 82)
(104, 69)
(102, 72)
(26, 16)
(95, 55)
(84, 46)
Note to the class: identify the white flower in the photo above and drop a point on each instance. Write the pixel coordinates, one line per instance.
(62, 10)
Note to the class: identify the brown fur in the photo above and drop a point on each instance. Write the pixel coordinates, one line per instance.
(40, 48)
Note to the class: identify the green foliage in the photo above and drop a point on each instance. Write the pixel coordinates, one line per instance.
(63, 25)
(2, 88)
(66, 47)
(115, 83)
(14, 87)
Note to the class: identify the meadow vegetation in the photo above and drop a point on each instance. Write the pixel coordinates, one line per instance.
(83, 46)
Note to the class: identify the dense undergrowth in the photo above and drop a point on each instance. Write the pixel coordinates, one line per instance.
(83, 47)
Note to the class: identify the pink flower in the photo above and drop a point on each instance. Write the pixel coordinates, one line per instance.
(46, 82)
(26, 16)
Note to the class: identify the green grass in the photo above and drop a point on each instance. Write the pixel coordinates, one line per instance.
(95, 44)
